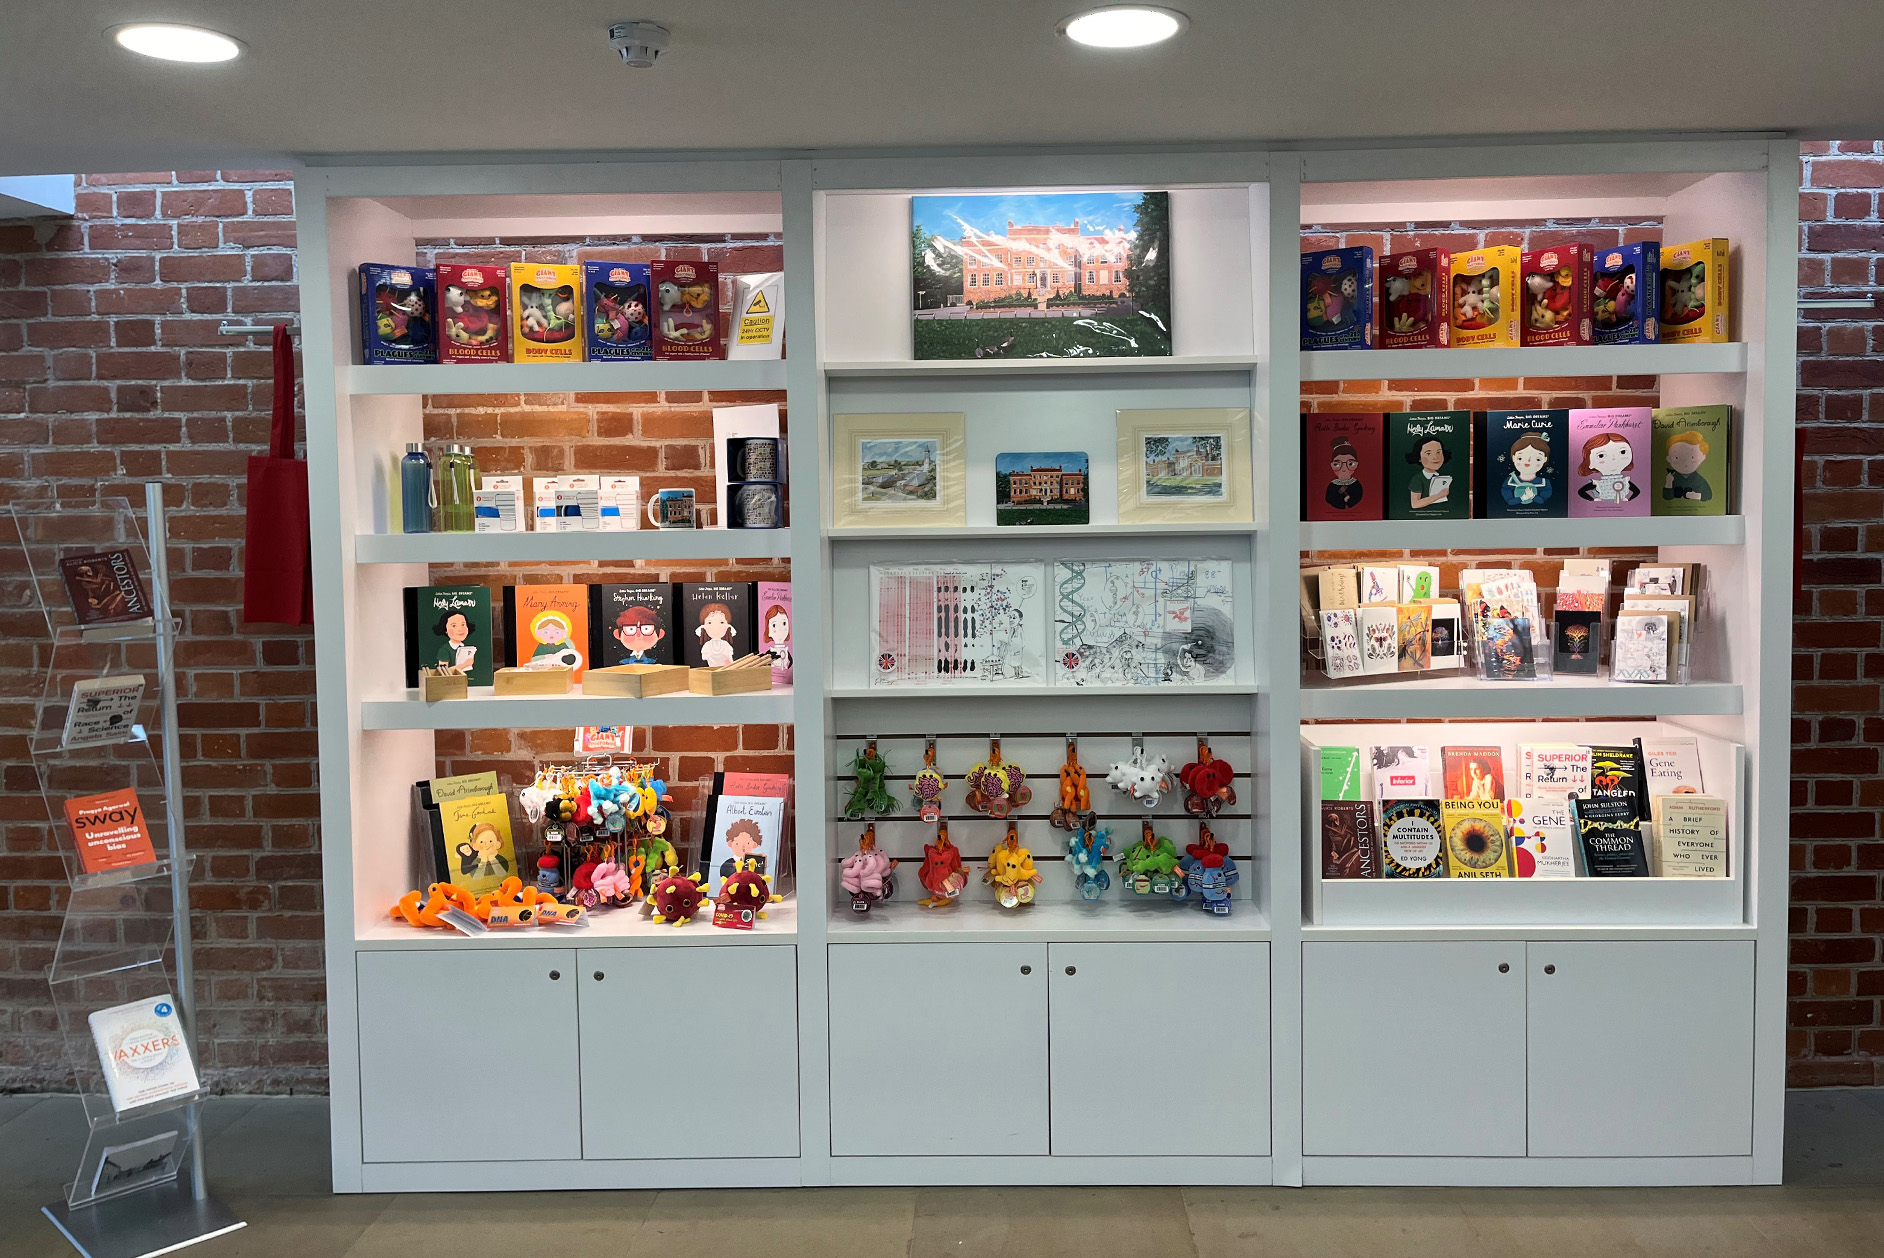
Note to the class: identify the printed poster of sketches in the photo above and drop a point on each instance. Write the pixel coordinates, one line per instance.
(973, 624)
(1060, 275)
(1142, 623)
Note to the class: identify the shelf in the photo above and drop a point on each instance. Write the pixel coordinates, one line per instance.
(565, 377)
(1038, 692)
(1460, 696)
(647, 543)
(980, 531)
(1106, 920)
(1664, 530)
(1541, 902)
(483, 710)
(1549, 360)
(961, 367)
(1529, 930)
(611, 928)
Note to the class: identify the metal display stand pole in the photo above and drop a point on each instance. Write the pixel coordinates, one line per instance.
(171, 1215)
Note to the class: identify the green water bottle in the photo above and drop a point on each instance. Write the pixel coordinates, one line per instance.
(457, 490)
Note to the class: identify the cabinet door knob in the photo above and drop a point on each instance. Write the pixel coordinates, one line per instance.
(1027, 969)
(1550, 969)
(598, 976)
(1504, 967)
(1071, 970)
(555, 974)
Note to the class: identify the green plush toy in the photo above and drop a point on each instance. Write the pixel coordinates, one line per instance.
(1157, 856)
(871, 794)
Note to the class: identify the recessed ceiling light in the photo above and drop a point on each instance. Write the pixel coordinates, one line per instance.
(168, 42)
(1123, 26)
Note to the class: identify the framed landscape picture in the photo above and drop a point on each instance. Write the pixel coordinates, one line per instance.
(1046, 275)
(898, 471)
(1049, 488)
(1184, 466)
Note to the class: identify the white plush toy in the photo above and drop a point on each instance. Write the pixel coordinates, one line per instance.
(1144, 779)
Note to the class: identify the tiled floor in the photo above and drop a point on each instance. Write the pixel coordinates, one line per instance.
(268, 1161)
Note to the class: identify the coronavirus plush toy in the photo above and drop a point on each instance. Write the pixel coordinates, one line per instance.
(675, 898)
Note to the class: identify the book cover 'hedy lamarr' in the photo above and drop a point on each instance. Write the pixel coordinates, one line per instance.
(143, 1053)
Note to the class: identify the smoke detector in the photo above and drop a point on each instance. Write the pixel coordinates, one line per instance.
(639, 43)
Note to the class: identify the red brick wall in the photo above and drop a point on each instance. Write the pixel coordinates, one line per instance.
(1837, 976)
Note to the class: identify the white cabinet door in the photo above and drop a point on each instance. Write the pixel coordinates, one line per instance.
(1191, 1017)
(689, 1052)
(448, 1036)
(1413, 1049)
(1641, 1049)
(938, 1049)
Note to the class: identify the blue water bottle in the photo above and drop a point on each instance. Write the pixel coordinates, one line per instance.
(415, 489)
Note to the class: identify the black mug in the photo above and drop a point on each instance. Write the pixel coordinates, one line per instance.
(752, 459)
(757, 504)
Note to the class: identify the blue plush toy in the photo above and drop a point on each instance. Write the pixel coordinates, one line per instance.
(1086, 851)
(1209, 871)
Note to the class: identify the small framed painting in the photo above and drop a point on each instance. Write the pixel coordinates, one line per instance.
(1184, 466)
(899, 471)
(1035, 489)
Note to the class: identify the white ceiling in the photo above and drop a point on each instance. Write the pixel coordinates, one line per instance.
(409, 76)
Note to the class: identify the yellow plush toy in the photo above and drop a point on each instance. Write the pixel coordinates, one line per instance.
(1011, 872)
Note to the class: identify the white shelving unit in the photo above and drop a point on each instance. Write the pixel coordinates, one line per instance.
(1301, 973)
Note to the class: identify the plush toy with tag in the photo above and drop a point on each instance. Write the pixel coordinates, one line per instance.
(1150, 866)
(1209, 870)
(865, 874)
(1011, 872)
(871, 795)
(1144, 778)
(1086, 852)
(1075, 793)
(1208, 783)
(676, 898)
(941, 875)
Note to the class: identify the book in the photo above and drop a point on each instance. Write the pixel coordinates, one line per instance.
(1429, 465)
(1610, 834)
(479, 854)
(449, 626)
(717, 622)
(1341, 642)
(1348, 847)
(1415, 624)
(548, 627)
(1341, 466)
(1578, 647)
(1341, 773)
(1411, 845)
(1644, 645)
(1660, 579)
(143, 1053)
(632, 624)
(1380, 637)
(1522, 464)
(1543, 837)
(774, 604)
(1474, 773)
(1610, 451)
(1476, 844)
(1671, 766)
(1691, 462)
(103, 711)
(1616, 773)
(1402, 772)
(1552, 771)
(104, 589)
(109, 831)
(745, 820)
(1690, 834)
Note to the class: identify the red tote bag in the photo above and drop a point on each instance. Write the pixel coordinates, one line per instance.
(278, 576)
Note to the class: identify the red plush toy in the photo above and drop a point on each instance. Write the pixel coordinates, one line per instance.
(1207, 783)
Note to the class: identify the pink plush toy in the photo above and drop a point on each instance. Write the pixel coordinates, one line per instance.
(612, 884)
(865, 873)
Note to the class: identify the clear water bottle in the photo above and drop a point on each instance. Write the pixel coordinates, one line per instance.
(457, 491)
(415, 489)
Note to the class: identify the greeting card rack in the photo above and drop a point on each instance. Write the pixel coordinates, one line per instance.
(141, 1187)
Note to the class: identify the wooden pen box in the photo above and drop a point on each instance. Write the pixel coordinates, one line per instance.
(534, 681)
(436, 686)
(738, 678)
(635, 681)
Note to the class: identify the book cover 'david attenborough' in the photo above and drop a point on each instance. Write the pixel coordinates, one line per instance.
(1058, 275)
